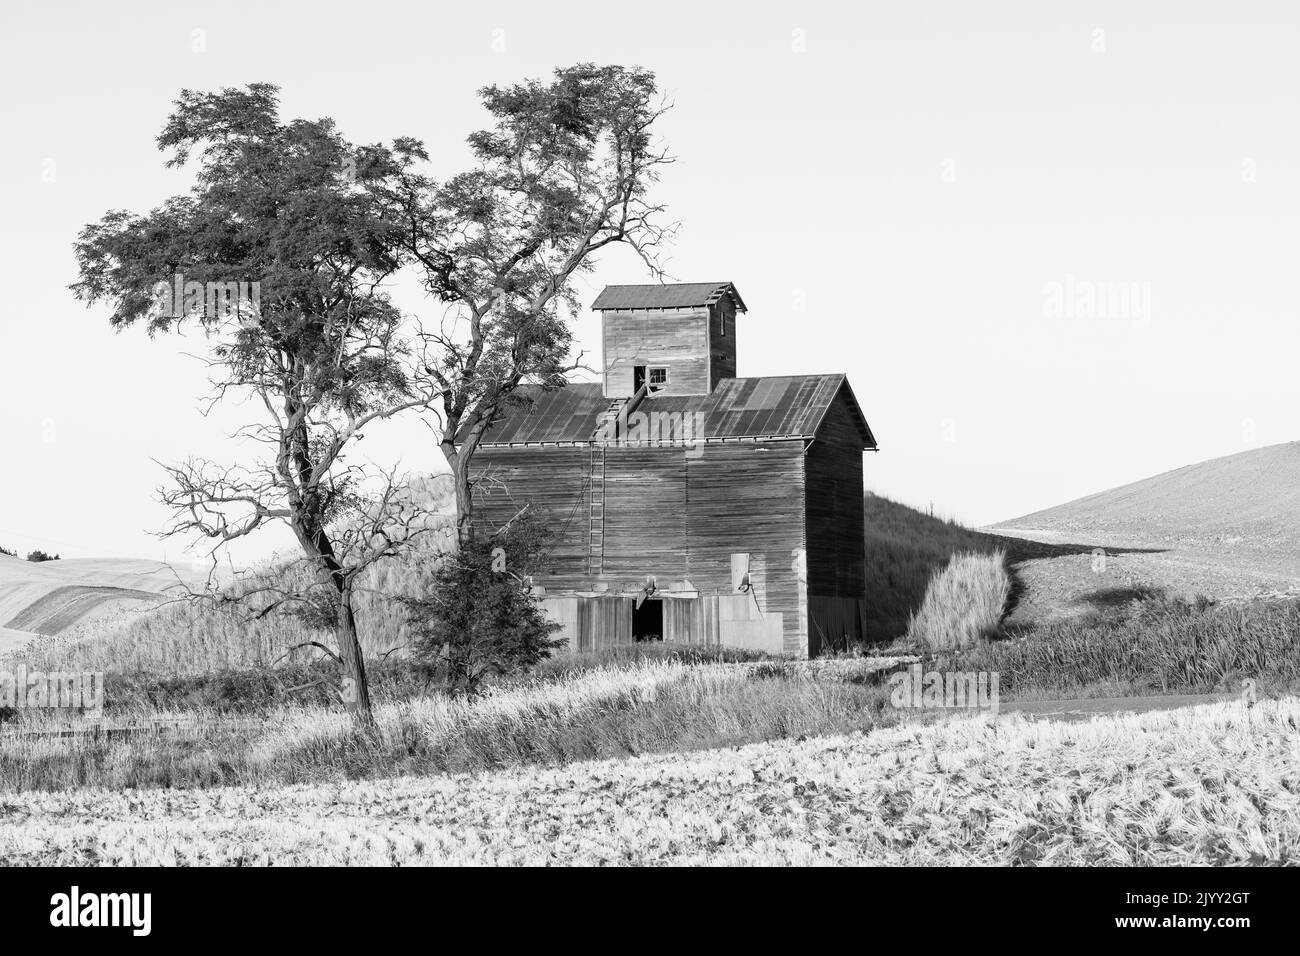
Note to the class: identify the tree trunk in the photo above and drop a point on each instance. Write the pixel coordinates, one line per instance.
(464, 502)
(458, 459)
(356, 688)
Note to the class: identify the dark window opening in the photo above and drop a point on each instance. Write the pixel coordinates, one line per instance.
(648, 621)
(638, 377)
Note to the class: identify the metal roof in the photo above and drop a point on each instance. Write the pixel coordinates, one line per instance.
(791, 406)
(549, 415)
(681, 295)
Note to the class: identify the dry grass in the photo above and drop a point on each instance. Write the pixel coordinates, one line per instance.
(1156, 646)
(176, 637)
(647, 707)
(964, 602)
(1215, 785)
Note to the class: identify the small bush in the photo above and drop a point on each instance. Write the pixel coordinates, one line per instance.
(39, 555)
(964, 602)
(480, 618)
(4, 550)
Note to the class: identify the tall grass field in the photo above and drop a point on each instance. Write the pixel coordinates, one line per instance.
(963, 604)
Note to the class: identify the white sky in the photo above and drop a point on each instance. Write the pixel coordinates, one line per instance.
(915, 176)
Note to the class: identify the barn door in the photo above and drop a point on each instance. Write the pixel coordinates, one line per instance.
(604, 622)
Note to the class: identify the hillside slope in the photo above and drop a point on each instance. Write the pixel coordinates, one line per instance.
(1228, 528)
(1250, 500)
(47, 597)
(905, 548)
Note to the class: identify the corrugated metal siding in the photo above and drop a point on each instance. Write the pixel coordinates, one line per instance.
(604, 622)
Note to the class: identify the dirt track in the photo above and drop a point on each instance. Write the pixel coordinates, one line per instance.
(1075, 710)
(1071, 584)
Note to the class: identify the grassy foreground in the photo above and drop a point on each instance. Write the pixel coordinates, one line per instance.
(1155, 646)
(617, 710)
(1214, 785)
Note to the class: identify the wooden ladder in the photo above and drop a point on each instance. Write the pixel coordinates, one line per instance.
(596, 511)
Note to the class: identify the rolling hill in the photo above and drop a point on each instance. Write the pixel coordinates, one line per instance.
(1228, 528)
(1250, 500)
(48, 597)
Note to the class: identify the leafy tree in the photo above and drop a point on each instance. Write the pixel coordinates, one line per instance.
(564, 172)
(39, 556)
(480, 617)
(286, 238)
(300, 217)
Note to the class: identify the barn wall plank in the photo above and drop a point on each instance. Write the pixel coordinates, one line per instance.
(749, 498)
(835, 516)
(832, 620)
(676, 338)
(722, 341)
(553, 483)
(675, 513)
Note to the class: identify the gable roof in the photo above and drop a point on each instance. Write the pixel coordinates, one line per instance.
(680, 295)
(777, 407)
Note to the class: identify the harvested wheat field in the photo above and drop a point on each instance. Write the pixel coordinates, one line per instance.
(49, 597)
(1214, 785)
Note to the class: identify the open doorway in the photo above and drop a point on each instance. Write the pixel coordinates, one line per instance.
(648, 621)
(638, 377)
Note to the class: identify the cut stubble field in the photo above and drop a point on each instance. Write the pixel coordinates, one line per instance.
(1212, 785)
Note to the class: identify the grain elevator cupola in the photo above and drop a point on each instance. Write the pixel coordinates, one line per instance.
(675, 339)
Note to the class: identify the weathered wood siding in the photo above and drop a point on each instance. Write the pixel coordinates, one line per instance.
(722, 341)
(675, 338)
(646, 525)
(553, 482)
(836, 544)
(748, 497)
(676, 513)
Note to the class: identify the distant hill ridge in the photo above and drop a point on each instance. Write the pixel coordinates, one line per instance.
(1250, 500)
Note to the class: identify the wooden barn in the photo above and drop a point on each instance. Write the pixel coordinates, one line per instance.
(688, 504)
